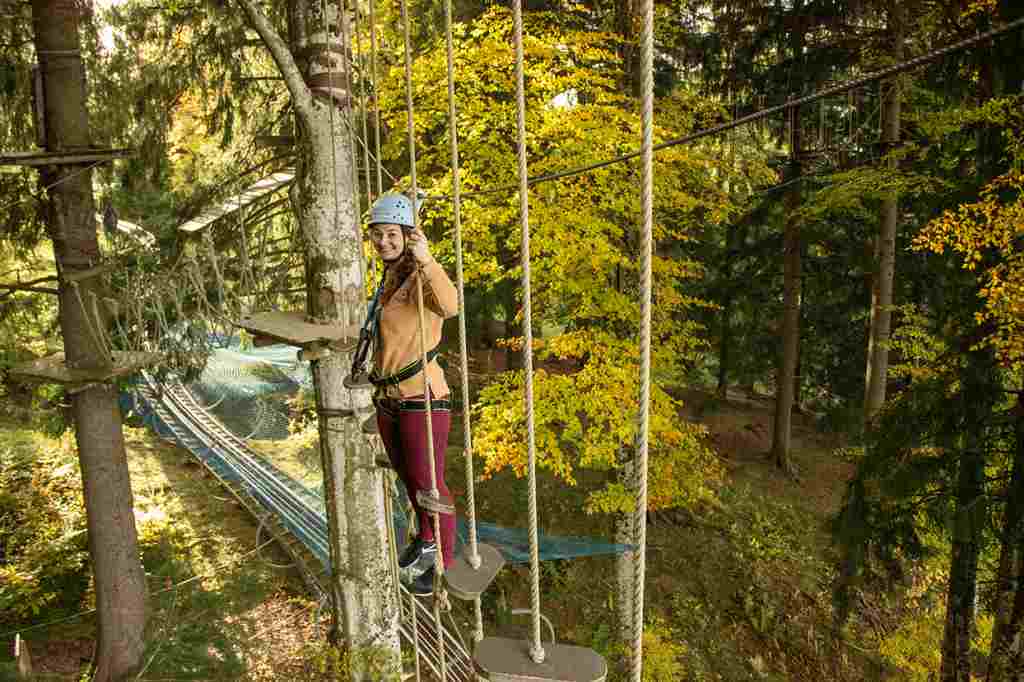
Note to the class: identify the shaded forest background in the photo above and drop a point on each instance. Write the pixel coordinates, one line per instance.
(856, 262)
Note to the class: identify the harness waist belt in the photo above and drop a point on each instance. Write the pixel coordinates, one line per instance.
(393, 405)
(407, 372)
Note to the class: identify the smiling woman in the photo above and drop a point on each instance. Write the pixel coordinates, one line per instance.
(398, 374)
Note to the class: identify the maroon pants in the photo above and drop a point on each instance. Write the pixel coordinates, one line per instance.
(404, 432)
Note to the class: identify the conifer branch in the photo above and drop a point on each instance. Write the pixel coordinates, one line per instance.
(301, 96)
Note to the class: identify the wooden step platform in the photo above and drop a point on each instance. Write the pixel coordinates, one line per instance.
(466, 582)
(292, 328)
(53, 370)
(499, 659)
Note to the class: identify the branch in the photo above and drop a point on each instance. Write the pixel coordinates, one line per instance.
(301, 96)
(12, 288)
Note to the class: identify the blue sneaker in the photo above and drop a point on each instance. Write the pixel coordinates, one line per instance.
(415, 551)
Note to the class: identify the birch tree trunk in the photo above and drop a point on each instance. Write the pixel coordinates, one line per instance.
(885, 247)
(364, 605)
(71, 222)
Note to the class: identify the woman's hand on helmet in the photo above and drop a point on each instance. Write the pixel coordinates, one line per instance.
(419, 247)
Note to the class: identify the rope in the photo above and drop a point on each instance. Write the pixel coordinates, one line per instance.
(353, 137)
(439, 595)
(376, 102)
(101, 328)
(93, 334)
(872, 76)
(536, 648)
(61, 181)
(647, 209)
(362, 105)
(211, 253)
(474, 555)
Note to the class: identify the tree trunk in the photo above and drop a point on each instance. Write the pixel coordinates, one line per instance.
(790, 332)
(885, 248)
(364, 605)
(624, 562)
(1006, 660)
(113, 544)
(725, 335)
(970, 520)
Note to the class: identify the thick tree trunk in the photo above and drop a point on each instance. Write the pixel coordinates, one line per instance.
(885, 249)
(365, 609)
(113, 544)
(790, 332)
(970, 520)
(963, 573)
(1006, 660)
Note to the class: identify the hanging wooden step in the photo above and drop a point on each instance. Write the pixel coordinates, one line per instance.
(499, 659)
(441, 505)
(292, 328)
(466, 582)
(53, 370)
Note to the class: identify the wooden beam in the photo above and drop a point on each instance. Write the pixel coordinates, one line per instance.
(69, 157)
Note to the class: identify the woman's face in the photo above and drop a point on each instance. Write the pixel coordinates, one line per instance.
(389, 240)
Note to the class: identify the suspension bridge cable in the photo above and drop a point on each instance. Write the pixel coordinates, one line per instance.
(908, 65)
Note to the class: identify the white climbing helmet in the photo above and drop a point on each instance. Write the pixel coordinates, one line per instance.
(393, 208)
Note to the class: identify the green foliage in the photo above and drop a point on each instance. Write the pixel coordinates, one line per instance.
(44, 567)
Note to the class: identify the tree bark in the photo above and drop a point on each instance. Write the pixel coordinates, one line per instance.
(365, 609)
(790, 332)
(71, 223)
(970, 519)
(885, 247)
(624, 533)
(1006, 658)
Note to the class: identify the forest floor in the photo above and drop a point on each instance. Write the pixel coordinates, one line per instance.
(737, 590)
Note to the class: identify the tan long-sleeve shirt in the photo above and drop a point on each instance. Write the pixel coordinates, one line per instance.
(399, 341)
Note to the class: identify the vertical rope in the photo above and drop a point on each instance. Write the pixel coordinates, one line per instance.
(428, 413)
(467, 439)
(536, 649)
(93, 334)
(647, 209)
(376, 102)
(359, 57)
(346, 39)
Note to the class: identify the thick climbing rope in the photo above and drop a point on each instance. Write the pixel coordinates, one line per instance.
(646, 251)
(353, 137)
(376, 101)
(439, 594)
(453, 132)
(360, 59)
(536, 648)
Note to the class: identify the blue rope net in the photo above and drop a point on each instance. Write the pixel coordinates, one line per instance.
(248, 391)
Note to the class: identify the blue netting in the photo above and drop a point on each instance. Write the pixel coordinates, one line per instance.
(247, 391)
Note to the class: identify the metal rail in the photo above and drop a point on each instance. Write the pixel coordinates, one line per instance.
(270, 494)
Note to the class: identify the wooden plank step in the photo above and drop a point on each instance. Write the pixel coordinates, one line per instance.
(500, 659)
(466, 582)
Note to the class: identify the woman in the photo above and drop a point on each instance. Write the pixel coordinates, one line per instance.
(398, 374)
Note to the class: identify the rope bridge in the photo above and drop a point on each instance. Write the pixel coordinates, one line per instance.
(293, 512)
